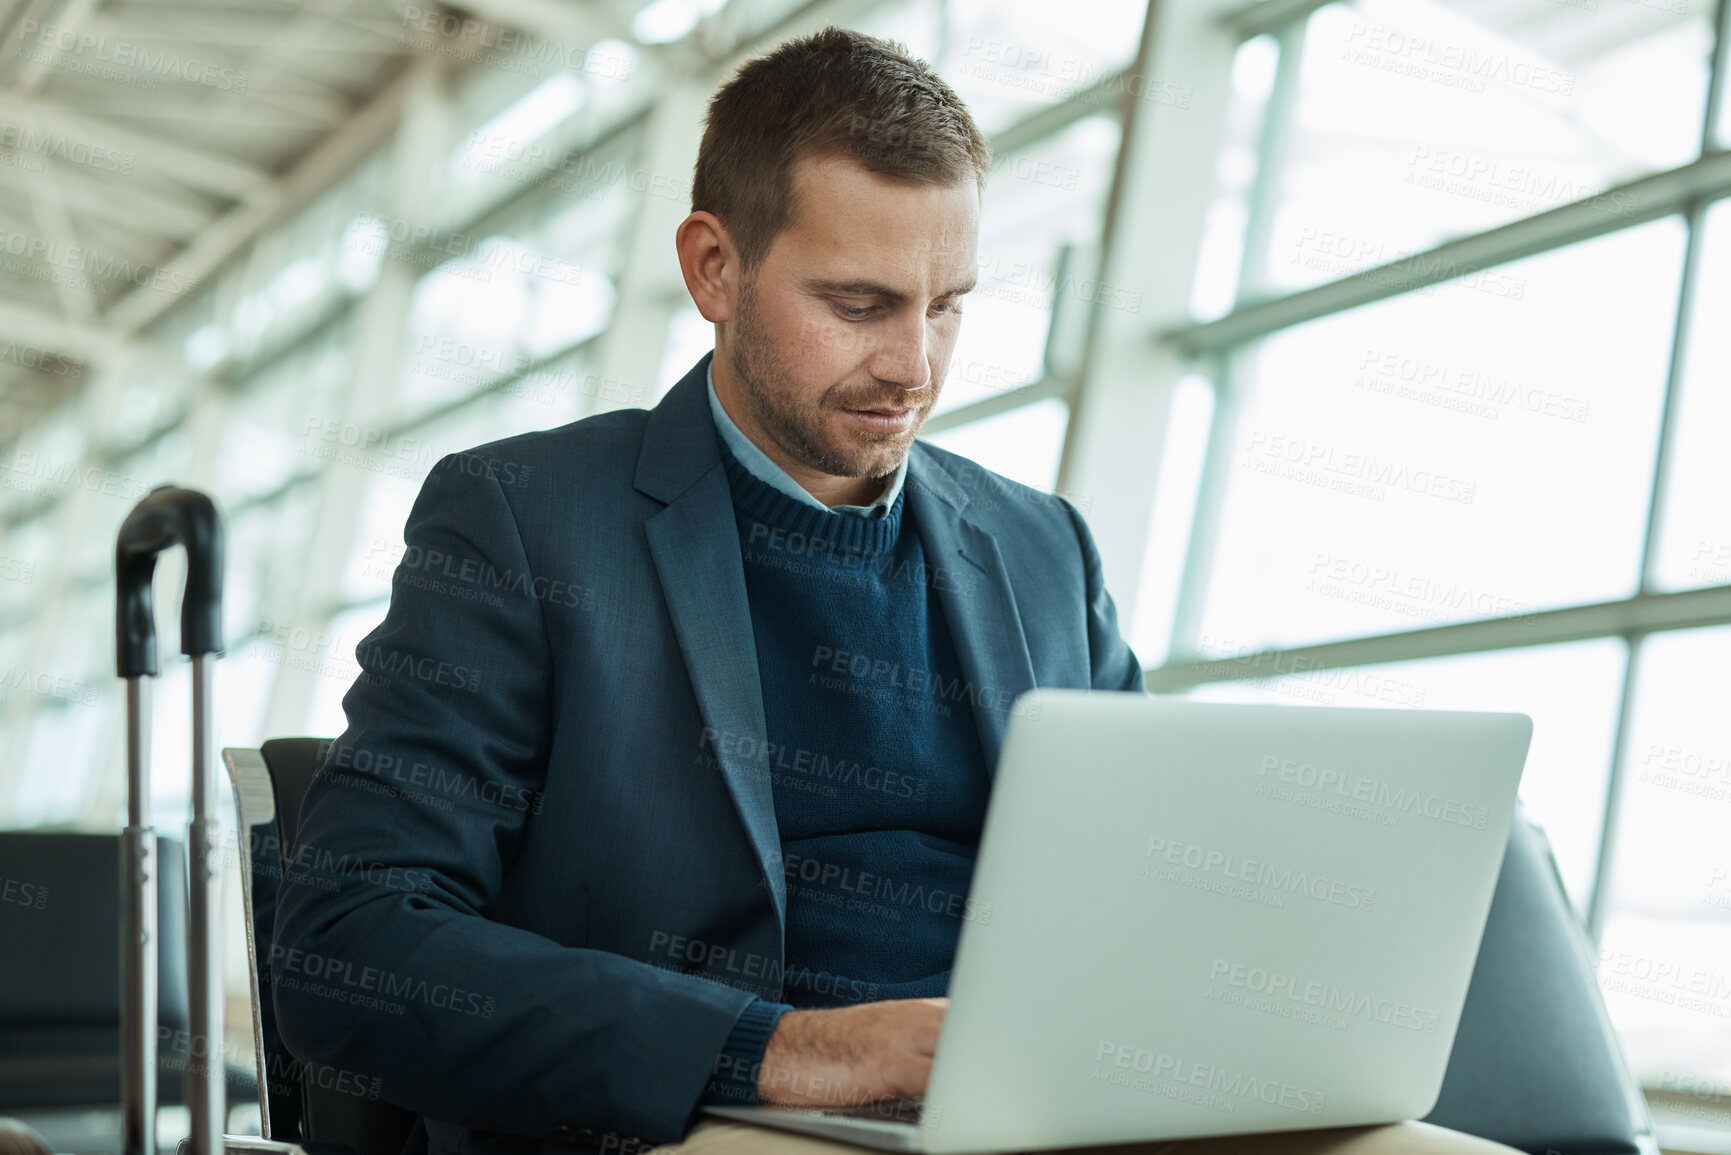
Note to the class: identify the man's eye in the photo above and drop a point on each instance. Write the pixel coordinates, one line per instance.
(943, 307)
(854, 312)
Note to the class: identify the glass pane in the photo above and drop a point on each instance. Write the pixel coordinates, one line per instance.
(1221, 256)
(325, 717)
(1695, 546)
(1482, 449)
(1183, 458)
(1023, 445)
(1039, 203)
(1666, 958)
(1417, 121)
(1008, 59)
(1569, 691)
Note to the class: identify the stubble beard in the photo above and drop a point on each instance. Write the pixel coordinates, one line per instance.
(771, 392)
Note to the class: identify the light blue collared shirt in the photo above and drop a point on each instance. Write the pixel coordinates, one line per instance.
(761, 466)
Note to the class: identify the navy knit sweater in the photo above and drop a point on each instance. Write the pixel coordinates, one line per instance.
(879, 782)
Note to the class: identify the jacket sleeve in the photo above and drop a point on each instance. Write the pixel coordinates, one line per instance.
(386, 963)
(1114, 666)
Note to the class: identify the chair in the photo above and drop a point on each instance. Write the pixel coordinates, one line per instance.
(60, 973)
(1535, 1063)
(298, 1105)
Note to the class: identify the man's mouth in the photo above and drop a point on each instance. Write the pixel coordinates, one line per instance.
(886, 419)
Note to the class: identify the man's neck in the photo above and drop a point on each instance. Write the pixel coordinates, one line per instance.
(825, 487)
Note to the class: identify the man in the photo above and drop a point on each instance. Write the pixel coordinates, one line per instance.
(683, 722)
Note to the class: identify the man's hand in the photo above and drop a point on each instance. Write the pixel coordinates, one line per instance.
(852, 1055)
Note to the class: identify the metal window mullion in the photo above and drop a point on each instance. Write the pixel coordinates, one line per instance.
(1628, 617)
(1599, 890)
(1204, 535)
(1225, 365)
(1646, 199)
(1718, 77)
(1604, 862)
(1271, 149)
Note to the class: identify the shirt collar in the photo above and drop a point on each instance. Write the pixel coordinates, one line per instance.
(761, 466)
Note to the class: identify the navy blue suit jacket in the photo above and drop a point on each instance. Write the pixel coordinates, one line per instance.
(545, 872)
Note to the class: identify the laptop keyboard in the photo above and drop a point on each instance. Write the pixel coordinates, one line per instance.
(883, 1111)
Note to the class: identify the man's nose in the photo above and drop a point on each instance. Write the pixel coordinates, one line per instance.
(902, 358)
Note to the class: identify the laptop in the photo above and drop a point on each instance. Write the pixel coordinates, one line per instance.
(1193, 919)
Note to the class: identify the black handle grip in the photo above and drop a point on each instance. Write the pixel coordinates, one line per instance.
(168, 516)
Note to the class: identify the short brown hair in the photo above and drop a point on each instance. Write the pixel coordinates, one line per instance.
(837, 92)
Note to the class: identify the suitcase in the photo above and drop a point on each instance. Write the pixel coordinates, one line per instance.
(167, 517)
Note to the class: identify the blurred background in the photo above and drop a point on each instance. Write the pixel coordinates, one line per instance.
(1386, 346)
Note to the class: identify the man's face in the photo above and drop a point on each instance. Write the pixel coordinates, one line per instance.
(843, 333)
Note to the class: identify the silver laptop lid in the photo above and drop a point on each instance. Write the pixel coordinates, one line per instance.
(1192, 919)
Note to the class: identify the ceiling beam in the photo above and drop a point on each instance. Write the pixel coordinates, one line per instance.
(88, 342)
(188, 166)
(312, 175)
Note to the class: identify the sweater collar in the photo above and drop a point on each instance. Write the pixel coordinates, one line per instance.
(775, 520)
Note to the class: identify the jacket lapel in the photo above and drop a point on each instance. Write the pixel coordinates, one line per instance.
(695, 546)
(974, 590)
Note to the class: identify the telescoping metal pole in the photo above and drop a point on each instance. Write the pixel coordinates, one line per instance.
(138, 873)
(165, 518)
(205, 1089)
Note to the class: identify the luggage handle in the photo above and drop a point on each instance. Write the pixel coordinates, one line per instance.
(166, 517)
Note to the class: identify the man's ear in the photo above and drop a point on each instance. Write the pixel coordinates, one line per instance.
(710, 265)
